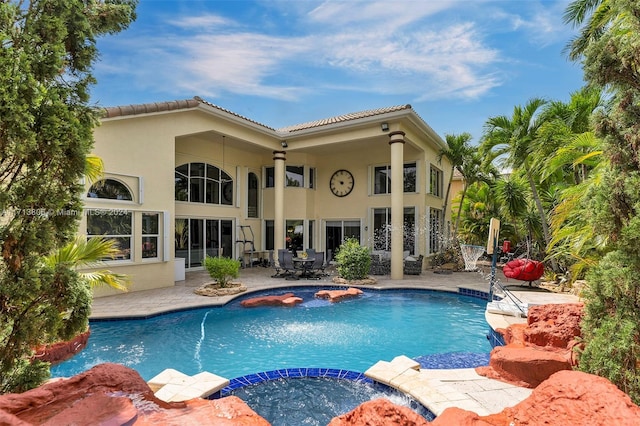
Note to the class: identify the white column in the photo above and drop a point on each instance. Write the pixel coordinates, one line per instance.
(279, 158)
(396, 141)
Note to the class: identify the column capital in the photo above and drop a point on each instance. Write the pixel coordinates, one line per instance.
(396, 137)
(279, 155)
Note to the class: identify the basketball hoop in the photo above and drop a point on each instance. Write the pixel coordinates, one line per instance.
(471, 254)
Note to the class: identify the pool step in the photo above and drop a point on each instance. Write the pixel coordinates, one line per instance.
(174, 386)
(439, 389)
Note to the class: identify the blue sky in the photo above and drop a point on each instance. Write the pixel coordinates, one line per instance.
(284, 62)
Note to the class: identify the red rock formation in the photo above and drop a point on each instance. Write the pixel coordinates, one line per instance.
(229, 411)
(338, 295)
(114, 394)
(535, 351)
(566, 398)
(62, 351)
(553, 325)
(524, 366)
(379, 412)
(287, 299)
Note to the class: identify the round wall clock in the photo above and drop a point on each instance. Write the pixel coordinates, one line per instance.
(341, 183)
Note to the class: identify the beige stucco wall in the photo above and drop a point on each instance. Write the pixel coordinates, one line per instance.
(147, 148)
(138, 153)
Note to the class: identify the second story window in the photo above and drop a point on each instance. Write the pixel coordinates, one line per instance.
(294, 177)
(203, 183)
(110, 189)
(435, 181)
(252, 195)
(382, 178)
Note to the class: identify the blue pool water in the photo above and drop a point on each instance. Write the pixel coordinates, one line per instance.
(233, 341)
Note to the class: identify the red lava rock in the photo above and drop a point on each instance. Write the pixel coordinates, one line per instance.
(292, 301)
(524, 366)
(566, 398)
(379, 412)
(554, 325)
(228, 411)
(97, 409)
(539, 348)
(62, 351)
(338, 295)
(287, 299)
(112, 394)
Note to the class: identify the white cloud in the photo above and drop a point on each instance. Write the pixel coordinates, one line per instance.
(365, 41)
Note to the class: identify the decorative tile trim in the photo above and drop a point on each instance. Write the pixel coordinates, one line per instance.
(252, 379)
(473, 293)
(495, 338)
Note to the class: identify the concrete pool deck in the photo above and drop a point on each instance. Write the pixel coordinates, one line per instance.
(436, 389)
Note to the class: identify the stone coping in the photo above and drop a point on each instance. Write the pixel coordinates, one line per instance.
(438, 390)
(174, 386)
(461, 291)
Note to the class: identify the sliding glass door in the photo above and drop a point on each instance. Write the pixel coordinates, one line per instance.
(195, 238)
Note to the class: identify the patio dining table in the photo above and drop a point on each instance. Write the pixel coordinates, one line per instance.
(305, 264)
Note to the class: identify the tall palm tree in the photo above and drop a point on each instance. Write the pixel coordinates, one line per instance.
(578, 11)
(513, 142)
(457, 152)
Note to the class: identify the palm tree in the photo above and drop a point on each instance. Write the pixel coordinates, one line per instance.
(513, 142)
(473, 170)
(596, 25)
(93, 168)
(87, 253)
(457, 152)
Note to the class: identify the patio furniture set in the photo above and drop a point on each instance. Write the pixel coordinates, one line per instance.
(310, 266)
(381, 264)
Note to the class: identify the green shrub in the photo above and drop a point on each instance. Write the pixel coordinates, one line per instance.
(611, 322)
(222, 269)
(353, 260)
(24, 376)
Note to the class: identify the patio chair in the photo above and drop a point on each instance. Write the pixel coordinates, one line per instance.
(317, 268)
(287, 265)
(379, 265)
(413, 267)
(280, 271)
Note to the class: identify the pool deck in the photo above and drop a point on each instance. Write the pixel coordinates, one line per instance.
(436, 389)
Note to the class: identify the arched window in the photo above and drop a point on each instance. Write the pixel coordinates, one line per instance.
(203, 183)
(110, 189)
(252, 195)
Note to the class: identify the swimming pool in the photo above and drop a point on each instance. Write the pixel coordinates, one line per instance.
(233, 341)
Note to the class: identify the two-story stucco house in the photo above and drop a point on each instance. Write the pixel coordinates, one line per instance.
(188, 178)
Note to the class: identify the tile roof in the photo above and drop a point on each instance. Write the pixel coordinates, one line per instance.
(121, 111)
(343, 118)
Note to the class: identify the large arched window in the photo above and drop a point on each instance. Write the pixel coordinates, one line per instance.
(203, 183)
(110, 189)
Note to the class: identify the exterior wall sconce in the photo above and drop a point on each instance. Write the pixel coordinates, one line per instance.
(284, 144)
(384, 127)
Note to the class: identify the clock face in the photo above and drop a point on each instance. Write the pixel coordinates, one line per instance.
(341, 183)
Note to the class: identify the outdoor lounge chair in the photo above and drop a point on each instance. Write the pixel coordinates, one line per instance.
(380, 265)
(413, 266)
